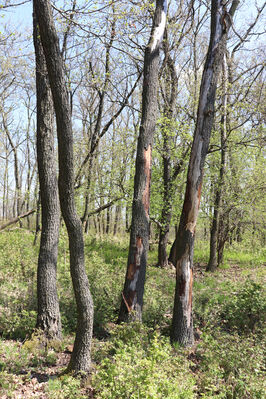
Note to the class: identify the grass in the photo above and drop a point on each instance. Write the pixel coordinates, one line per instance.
(135, 361)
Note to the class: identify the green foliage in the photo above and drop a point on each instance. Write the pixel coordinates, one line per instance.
(18, 284)
(137, 361)
(142, 365)
(230, 367)
(245, 310)
(64, 387)
(241, 309)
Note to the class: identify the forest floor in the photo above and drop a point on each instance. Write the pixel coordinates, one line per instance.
(227, 360)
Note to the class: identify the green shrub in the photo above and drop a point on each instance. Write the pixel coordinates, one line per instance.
(230, 366)
(64, 387)
(239, 308)
(245, 309)
(142, 365)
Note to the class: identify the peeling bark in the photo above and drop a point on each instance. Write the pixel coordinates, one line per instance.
(182, 323)
(132, 296)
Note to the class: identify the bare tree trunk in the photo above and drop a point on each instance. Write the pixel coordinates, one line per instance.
(170, 170)
(5, 189)
(48, 317)
(132, 296)
(17, 203)
(212, 264)
(182, 323)
(80, 359)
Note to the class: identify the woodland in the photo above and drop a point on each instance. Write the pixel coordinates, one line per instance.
(132, 186)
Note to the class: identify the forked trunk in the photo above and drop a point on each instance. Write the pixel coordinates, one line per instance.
(80, 359)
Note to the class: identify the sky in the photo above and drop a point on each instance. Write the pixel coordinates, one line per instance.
(21, 16)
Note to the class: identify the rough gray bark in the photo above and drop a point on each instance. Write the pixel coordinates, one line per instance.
(80, 360)
(48, 317)
(182, 323)
(132, 296)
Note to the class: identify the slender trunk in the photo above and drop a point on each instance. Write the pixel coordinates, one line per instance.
(212, 264)
(48, 317)
(167, 208)
(97, 130)
(108, 220)
(17, 204)
(80, 359)
(132, 296)
(171, 82)
(5, 189)
(37, 221)
(182, 323)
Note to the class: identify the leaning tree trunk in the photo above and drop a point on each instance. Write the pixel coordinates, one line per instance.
(212, 264)
(182, 323)
(80, 360)
(132, 296)
(48, 317)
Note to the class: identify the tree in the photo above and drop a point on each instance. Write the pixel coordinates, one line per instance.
(132, 296)
(212, 264)
(80, 358)
(48, 317)
(182, 323)
(220, 225)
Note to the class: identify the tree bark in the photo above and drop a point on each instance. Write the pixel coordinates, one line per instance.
(132, 296)
(48, 317)
(80, 359)
(182, 323)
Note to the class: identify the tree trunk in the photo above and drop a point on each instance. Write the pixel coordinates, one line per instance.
(212, 264)
(48, 317)
(182, 323)
(132, 296)
(80, 359)
(171, 83)
(17, 202)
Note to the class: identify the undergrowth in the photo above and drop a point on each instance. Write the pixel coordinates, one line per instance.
(137, 361)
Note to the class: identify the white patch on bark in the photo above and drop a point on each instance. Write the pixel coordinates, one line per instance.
(133, 283)
(158, 32)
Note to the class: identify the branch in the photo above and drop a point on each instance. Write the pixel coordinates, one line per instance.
(104, 130)
(14, 5)
(17, 219)
(103, 207)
